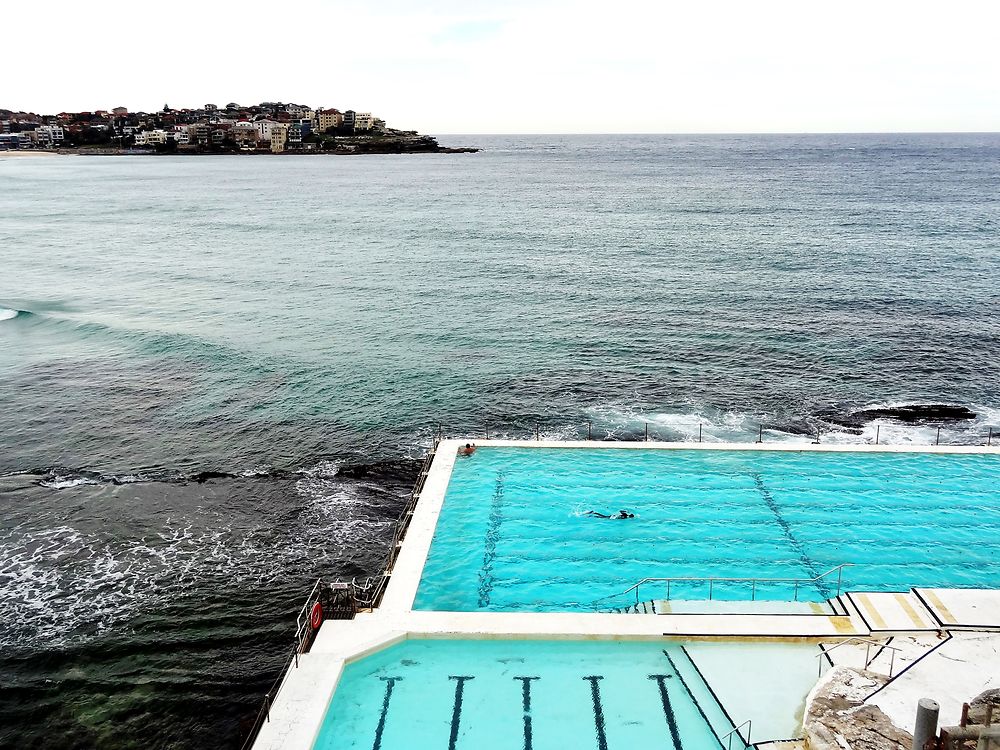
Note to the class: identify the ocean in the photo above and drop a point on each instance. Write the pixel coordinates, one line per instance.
(217, 373)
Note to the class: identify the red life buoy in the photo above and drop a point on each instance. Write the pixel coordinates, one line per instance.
(316, 616)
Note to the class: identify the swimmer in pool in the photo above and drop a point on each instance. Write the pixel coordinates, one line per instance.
(467, 450)
(613, 517)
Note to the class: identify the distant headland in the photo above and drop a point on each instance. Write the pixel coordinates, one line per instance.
(269, 127)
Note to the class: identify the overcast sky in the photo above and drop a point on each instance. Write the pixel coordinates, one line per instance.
(548, 66)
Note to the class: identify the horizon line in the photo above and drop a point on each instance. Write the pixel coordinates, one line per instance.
(734, 132)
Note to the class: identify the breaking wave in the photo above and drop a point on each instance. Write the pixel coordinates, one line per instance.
(844, 424)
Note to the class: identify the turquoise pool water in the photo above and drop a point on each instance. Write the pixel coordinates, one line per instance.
(520, 695)
(512, 537)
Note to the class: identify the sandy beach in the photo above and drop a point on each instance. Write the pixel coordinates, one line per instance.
(27, 154)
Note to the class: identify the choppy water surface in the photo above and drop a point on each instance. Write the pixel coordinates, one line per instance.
(213, 371)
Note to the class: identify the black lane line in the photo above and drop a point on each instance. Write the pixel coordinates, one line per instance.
(490, 546)
(456, 712)
(668, 710)
(389, 682)
(526, 705)
(786, 529)
(595, 694)
(687, 690)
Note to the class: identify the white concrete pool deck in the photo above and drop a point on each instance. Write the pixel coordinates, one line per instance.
(953, 673)
(300, 707)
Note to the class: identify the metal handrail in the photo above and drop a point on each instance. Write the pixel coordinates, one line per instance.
(371, 591)
(712, 580)
(728, 736)
(368, 593)
(868, 643)
(302, 624)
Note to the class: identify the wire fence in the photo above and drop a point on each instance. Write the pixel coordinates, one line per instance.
(699, 432)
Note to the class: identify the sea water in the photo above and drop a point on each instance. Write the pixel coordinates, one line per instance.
(217, 370)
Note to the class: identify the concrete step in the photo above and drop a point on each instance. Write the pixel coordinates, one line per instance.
(758, 607)
(892, 612)
(956, 609)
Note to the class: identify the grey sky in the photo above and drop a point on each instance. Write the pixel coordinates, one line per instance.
(546, 66)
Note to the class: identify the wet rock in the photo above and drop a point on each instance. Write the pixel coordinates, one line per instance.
(203, 476)
(837, 719)
(985, 708)
(911, 414)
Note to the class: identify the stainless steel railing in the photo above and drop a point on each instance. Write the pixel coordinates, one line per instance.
(754, 582)
(673, 433)
(868, 643)
(745, 741)
(365, 594)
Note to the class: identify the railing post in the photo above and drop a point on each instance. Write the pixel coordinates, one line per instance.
(267, 707)
(753, 590)
(760, 434)
(877, 428)
(711, 581)
(646, 437)
(699, 432)
(796, 597)
(487, 433)
(840, 577)
(536, 432)
(668, 589)
(589, 431)
(937, 440)
(989, 440)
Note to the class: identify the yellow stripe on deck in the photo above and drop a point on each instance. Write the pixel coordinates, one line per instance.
(916, 619)
(876, 617)
(942, 611)
(842, 624)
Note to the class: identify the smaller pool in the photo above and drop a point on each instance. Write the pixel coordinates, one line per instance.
(519, 695)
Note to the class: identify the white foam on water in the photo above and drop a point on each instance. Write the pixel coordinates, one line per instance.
(327, 469)
(890, 432)
(616, 420)
(62, 584)
(59, 482)
(7, 314)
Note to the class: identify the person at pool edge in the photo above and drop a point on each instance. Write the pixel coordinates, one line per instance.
(467, 450)
(614, 516)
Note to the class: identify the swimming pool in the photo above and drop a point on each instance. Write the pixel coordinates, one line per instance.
(512, 534)
(518, 695)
